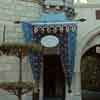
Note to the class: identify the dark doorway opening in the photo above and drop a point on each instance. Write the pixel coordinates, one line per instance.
(54, 81)
(90, 74)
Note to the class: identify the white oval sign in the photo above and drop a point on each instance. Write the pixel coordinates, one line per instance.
(49, 41)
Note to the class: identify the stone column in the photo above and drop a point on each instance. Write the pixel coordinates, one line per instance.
(76, 88)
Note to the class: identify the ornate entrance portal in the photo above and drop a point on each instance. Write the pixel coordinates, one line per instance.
(52, 36)
(54, 80)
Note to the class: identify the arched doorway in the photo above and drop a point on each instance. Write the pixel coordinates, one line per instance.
(90, 74)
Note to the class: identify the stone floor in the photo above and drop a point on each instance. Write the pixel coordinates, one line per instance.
(90, 95)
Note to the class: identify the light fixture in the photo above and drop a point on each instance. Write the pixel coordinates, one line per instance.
(17, 22)
(81, 20)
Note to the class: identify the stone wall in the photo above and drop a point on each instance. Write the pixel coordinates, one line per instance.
(12, 10)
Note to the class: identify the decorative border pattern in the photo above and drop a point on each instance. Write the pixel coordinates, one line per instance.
(67, 36)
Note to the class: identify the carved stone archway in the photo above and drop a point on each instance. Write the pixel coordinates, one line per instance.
(89, 45)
